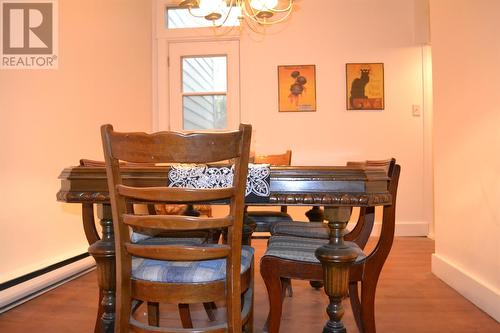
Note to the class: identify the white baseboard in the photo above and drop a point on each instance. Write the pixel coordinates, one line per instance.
(403, 229)
(483, 296)
(32, 288)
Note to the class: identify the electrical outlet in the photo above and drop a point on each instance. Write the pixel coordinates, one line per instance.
(415, 110)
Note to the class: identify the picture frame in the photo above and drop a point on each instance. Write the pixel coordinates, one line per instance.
(365, 86)
(297, 88)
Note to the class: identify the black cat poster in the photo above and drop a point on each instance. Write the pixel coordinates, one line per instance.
(365, 86)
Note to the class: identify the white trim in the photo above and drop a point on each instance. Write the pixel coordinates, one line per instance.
(407, 229)
(23, 292)
(427, 118)
(162, 37)
(161, 31)
(162, 112)
(484, 296)
(155, 121)
(403, 229)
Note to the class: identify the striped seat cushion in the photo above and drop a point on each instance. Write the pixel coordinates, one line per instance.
(186, 271)
(299, 248)
(266, 220)
(302, 229)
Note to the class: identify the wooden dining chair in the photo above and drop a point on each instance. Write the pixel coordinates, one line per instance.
(359, 234)
(265, 219)
(152, 270)
(292, 257)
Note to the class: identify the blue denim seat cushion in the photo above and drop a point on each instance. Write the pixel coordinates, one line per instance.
(187, 271)
(298, 248)
(302, 229)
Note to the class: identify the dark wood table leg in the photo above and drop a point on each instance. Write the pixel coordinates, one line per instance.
(103, 251)
(336, 258)
(92, 237)
(249, 227)
(315, 214)
(190, 211)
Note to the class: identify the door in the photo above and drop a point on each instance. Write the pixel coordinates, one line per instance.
(204, 85)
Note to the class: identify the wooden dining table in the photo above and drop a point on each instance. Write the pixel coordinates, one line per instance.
(336, 188)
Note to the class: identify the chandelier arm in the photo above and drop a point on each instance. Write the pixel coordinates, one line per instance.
(264, 22)
(245, 5)
(250, 13)
(193, 14)
(231, 6)
(281, 10)
(214, 25)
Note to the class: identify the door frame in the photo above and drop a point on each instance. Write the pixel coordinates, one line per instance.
(161, 39)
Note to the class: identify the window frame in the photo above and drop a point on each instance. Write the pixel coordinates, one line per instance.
(211, 93)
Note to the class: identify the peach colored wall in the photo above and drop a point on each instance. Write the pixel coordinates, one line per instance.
(466, 71)
(330, 34)
(51, 118)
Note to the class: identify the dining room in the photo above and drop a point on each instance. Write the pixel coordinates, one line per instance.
(333, 82)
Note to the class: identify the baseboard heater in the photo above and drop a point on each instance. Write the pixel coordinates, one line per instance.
(23, 288)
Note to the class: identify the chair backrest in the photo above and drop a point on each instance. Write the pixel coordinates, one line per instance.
(387, 164)
(363, 228)
(384, 244)
(100, 164)
(92, 163)
(173, 147)
(275, 159)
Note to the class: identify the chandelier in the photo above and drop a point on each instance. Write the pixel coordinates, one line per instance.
(259, 12)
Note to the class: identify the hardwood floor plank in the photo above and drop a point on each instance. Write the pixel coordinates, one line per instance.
(409, 299)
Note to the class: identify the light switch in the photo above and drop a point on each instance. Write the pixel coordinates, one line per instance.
(416, 110)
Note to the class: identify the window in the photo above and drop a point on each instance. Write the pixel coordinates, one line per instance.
(179, 18)
(203, 80)
(204, 90)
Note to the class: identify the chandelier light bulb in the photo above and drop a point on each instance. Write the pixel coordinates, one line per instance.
(263, 4)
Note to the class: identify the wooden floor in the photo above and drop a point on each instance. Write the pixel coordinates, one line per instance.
(409, 299)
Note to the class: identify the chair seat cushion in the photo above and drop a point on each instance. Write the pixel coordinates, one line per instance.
(265, 220)
(302, 229)
(187, 271)
(299, 248)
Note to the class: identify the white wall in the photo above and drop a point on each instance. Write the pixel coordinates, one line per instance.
(330, 34)
(51, 118)
(466, 68)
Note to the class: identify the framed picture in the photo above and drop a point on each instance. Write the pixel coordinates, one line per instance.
(297, 88)
(365, 86)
